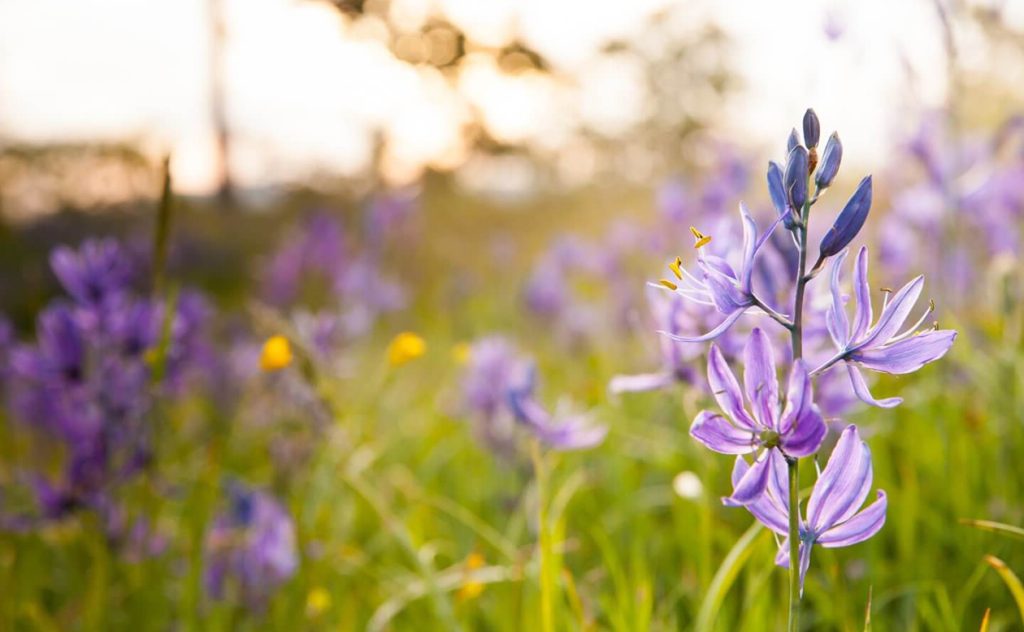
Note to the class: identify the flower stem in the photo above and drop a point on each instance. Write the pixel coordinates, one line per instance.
(547, 584)
(796, 334)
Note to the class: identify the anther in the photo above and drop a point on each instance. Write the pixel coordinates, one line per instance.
(670, 285)
(702, 239)
(674, 267)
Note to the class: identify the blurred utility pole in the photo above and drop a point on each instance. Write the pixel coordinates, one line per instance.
(225, 191)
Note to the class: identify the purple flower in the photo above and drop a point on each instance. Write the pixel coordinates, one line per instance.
(94, 274)
(730, 293)
(830, 160)
(834, 515)
(777, 192)
(880, 347)
(849, 222)
(251, 545)
(563, 430)
(795, 178)
(493, 369)
(795, 431)
(812, 129)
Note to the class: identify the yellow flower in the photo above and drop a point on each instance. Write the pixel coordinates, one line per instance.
(317, 602)
(276, 354)
(405, 347)
(471, 589)
(461, 352)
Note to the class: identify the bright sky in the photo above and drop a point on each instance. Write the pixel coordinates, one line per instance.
(308, 90)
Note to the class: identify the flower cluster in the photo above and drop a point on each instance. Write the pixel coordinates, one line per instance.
(771, 431)
(90, 379)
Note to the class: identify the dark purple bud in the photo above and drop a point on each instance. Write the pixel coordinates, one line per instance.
(812, 129)
(830, 160)
(850, 220)
(793, 140)
(796, 177)
(777, 191)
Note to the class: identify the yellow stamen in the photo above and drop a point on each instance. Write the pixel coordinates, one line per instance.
(670, 285)
(675, 268)
(405, 347)
(276, 354)
(702, 239)
(886, 290)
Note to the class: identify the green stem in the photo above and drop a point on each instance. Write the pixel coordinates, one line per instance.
(547, 585)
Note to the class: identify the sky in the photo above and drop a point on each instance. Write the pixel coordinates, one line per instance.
(308, 89)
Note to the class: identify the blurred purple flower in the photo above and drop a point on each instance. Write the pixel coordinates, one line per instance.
(493, 369)
(563, 430)
(834, 515)
(251, 547)
(880, 347)
(98, 272)
(670, 315)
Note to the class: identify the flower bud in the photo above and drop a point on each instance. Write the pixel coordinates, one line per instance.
(850, 221)
(796, 177)
(777, 192)
(812, 129)
(830, 160)
(792, 141)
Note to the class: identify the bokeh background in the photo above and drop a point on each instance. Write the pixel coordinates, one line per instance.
(497, 179)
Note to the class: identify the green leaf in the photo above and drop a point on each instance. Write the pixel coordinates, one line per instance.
(1010, 579)
(725, 576)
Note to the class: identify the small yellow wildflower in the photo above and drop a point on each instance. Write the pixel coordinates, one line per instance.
(276, 354)
(471, 589)
(405, 347)
(317, 602)
(461, 352)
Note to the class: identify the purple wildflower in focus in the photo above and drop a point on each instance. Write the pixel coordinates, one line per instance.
(719, 283)
(250, 547)
(881, 347)
(834, 516)
(561, 430)
(796, 431)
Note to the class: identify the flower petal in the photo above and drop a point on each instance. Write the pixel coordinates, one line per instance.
(860, 388)
(639, 383)
(864, 313)
(752, 484)
(782, 559)
(749, 247)
(802, 429)
(768, 509)
(859, 528)
(894, 315)
(711, 335)
(760, 380)
(716, 433)
(907, 355)
(726, 390)
(839, 325)
(843, 484)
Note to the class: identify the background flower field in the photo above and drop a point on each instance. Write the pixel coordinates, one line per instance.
(430, 392)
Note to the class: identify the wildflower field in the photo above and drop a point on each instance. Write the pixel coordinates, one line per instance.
(765, 389)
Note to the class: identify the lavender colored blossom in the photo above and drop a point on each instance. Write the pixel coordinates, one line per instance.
(849, 222)
(881, 347)
(760, 423)
(719, 284)
(250, 547)
(494, 368)
(97, 272)
(671, 315)
(830, 160)
(834, 516)
(795, 178)
(562, 430)
(812, 129)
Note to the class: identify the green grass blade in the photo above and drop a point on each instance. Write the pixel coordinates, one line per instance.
(1010, 579)
(995, 527)
(725, 576)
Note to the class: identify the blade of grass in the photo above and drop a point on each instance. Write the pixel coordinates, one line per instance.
(725, 576)
(995, 527)
(1010, 579)
(867, 613)
(984, 620)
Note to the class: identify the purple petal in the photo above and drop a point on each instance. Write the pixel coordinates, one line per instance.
(749, 247)
(894, 314)
(726, 389)
(760, 379)
(802, 427)
(711, 335)
(716, 433)
(838, 324)
(859, 528)
(768, 508)
(639, 383)
(907, 355)
(864, 313)
(843, 485)
(782, 559)
(752, 484)
(860, 388)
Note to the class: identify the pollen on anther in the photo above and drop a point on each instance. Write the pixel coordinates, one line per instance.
(886, 290)
(670, 285)
(675, 268)
(702, 239)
